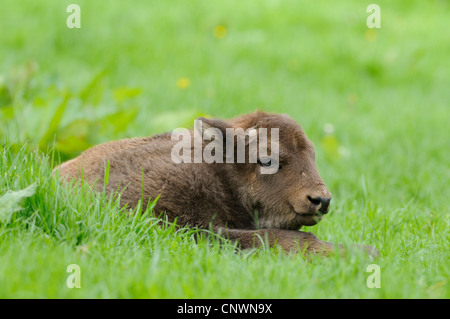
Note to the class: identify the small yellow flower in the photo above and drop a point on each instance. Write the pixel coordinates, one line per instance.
(220, 32)
(370, 35)
(183, 83)
(352, 98)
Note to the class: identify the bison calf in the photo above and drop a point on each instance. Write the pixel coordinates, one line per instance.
(230, 194)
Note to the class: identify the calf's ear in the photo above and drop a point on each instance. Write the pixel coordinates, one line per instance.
(211, 123)
(214, 131)
(234, 146)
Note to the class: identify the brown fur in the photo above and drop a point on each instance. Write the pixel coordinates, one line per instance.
(235, 199)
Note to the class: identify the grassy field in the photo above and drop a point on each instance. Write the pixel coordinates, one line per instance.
(375, 102)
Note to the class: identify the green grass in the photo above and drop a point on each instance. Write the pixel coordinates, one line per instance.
(386, 161)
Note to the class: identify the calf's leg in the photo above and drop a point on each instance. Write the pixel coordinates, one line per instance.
(290, 241)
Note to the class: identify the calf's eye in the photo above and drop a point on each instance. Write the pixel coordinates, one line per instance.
(268, 162)
(265, 162)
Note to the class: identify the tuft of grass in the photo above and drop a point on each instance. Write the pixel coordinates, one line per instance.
(123, 253)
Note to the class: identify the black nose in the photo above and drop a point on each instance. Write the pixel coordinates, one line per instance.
(321, 203)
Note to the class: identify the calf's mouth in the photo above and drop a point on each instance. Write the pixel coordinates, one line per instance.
(307, 218)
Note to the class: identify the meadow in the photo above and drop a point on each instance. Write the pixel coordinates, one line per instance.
(375, 103)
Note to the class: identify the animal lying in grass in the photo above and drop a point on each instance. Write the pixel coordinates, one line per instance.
(234, 197)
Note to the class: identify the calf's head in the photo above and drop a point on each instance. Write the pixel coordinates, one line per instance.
(295, 194)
